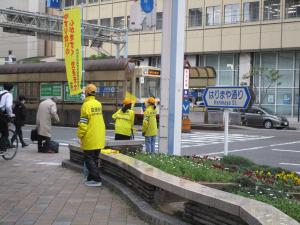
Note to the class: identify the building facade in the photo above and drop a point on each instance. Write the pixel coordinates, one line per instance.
(22, 46)
(233, 36)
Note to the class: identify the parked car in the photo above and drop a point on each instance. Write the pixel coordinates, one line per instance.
(260, 117)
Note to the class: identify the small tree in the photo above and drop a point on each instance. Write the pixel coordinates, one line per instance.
(266, 79)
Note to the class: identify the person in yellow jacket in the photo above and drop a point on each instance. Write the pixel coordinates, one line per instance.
(124, 121)
(149, 128)
(91, 133)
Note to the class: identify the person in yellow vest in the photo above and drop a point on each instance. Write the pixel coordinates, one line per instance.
(149, 128)
(124, 121)
(91, 133)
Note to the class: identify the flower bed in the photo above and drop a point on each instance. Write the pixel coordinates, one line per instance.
(263, 183)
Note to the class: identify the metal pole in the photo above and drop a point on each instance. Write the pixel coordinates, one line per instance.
(82, 44)
(126, 45)
(171, 77)
(226, 121)
(117, 51)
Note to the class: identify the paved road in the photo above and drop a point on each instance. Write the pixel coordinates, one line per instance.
(271, 147)
(36, 190)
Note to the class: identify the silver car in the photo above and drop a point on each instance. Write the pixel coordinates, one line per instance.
(260, 117)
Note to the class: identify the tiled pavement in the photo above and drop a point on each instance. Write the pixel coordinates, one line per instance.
(35, 189)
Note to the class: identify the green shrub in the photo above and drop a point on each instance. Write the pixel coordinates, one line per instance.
(233, 160)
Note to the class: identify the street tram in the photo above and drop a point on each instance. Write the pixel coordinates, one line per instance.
(112, 77)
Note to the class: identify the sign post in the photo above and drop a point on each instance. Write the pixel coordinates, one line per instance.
(235, 97)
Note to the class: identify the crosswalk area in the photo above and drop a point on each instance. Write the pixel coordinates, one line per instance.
(197, 139)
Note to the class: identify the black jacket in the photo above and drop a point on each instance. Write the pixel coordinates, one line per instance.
(20, 113)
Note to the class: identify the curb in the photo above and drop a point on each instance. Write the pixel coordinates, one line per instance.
(144, 210)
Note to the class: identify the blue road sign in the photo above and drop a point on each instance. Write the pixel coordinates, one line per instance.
(226, 97)
(185, 107)
(53, 4)
(147, 5)
(103, 89)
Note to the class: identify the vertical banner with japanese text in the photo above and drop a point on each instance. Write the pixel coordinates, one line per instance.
(72, 48)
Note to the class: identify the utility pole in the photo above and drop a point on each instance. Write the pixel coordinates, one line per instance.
(172, 76)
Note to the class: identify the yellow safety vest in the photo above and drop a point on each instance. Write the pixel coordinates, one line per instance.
(124, 122)
(149, 122)
(91, 127)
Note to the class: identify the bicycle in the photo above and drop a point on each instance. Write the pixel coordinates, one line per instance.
(9, 147)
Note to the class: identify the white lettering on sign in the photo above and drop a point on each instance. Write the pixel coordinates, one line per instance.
(186, 77)
(227, 97)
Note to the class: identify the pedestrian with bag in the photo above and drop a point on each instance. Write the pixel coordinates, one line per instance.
(47, 112)
(91, 133)
(149, 127)
(20, 116)
(124, 121)
(6, 112)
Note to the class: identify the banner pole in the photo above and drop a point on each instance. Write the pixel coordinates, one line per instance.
(82, 46)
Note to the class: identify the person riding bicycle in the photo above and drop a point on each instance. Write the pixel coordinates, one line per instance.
(6, 112)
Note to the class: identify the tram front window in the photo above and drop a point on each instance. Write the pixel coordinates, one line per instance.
(150, 87)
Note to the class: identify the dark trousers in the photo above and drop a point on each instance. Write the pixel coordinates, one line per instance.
(43, 143)
(91, 158)
(3, 125)
(18, 133)
(122, 137)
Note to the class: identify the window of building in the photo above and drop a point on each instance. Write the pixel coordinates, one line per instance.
(232, 13)
(105, 22)
(195, 17)
(69, 3)
(213, 15)
(92, 21)
(154, 61)
(81, 2)
(251, 11)
(159, 20)
(292, 8)
(93, 1)
(271, 9)
(119, 22)
(128, 21)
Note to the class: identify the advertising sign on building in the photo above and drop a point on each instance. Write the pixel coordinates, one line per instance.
(70, 98)
(72, 49)
(49, 90)
(53, 4)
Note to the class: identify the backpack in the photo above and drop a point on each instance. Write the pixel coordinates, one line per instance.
(2, 113)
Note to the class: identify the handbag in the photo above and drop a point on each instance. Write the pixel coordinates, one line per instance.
(34, 135)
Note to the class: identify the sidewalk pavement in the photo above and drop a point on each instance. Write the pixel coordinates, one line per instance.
(36, 190)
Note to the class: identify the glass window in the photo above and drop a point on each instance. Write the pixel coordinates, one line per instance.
(286, 79)
(297, 74)
(251, 11)
(212, 60)
(267, 96)
(213, 15)
(154, 61)
(81, 1)
(268, 60)
(292, 8)
(159, 20)
(92, 21)
(225, 77)
(150, 87)
(93, 1)
(69, 3)
(271, 9)
(105, 22)
(284, 96)
(285, 61)
(195, 17)
(232, 14)
(119, 22)
(226, 62)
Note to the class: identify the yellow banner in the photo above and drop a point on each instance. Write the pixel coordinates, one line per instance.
(72, 49)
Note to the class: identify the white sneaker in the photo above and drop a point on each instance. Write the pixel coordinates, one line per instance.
(93, 183)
